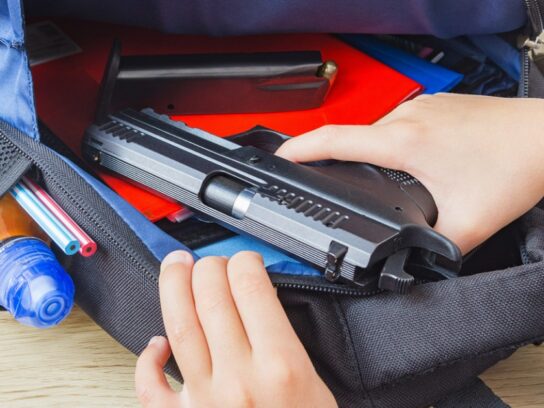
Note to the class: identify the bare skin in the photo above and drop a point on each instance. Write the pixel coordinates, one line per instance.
(231, 338)
(482, 159)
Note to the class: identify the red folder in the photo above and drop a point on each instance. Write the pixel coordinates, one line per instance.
(66, 89)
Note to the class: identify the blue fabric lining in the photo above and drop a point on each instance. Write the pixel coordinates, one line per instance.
(275, 261)
(11, 23)
(433, 77)
(16, 91)
(500, 52)
(161, 244)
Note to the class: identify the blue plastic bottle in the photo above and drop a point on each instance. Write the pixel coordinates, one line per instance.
(34, 287)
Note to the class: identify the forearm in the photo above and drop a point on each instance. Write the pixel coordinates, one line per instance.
(530, 114)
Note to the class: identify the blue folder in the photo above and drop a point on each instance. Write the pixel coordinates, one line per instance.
(433, 77)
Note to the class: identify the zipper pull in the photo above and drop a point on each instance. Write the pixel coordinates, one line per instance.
(536, 50)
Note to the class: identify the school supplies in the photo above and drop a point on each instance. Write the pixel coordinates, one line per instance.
(66, 241)
(34, 287)
(87, 245)
(433, 77)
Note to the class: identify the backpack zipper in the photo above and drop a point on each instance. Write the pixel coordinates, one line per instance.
(525, 73)
(84, 209)
(318, 284)
(535, 9)
(324, 289)
(532, 46)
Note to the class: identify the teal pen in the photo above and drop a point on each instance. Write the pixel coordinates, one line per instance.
(45, 219)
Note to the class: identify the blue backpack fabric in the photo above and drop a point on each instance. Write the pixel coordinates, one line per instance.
(441, 18)
(15, 80)
(379, 351)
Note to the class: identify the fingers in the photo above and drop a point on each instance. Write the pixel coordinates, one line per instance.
(218, 315)
(466, 234)
(369, 144)
(182, 325)
(230, 336)
(263, 317)
(151, 386)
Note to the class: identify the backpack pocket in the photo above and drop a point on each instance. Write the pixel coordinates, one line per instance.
(409, 351)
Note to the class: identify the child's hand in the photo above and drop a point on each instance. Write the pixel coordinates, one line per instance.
(482, 158)
(230, 337)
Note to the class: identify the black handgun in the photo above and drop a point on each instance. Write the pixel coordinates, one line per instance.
(359, 223)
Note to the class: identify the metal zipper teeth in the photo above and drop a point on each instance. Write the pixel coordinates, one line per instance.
(535, 17)
(84, 210)
(337, 291)
(326, 289)
(525, 78)
(533, 6)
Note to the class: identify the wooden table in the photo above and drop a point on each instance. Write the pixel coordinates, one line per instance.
(78, 364)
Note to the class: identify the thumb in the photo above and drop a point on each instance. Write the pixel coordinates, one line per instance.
(152, 388)
(368, 144)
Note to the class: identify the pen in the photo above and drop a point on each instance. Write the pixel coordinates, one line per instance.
(45, 219)
(87, 245)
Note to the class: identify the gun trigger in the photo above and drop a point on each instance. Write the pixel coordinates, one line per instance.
(335, 256)
(393, 277)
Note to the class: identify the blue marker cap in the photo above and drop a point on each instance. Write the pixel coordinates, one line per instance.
(34, 287)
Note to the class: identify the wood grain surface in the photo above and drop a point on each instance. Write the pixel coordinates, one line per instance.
(79, 365)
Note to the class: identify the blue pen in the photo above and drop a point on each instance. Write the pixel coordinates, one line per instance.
(45, 219)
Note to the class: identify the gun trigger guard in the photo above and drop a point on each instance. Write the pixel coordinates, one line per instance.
(393, 277)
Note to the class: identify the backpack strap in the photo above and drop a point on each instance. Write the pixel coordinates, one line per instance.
(476, 394)
(532, 81)
(12, 164)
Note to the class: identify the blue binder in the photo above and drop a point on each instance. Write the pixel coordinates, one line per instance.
(433, 77)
